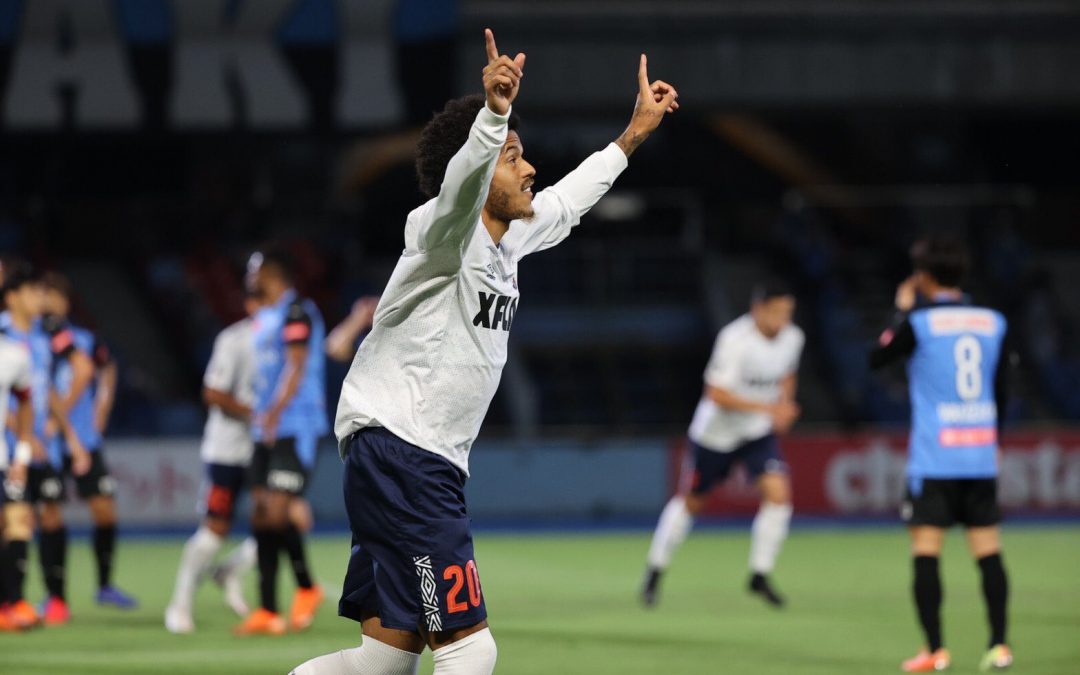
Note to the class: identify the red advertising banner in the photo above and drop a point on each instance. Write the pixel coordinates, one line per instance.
(863, 474)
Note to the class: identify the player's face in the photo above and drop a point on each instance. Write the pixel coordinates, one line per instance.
(510, 197)
(54, 302)
(772, 315)
(27, 300)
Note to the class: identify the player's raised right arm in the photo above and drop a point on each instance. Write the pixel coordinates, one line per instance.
(468, 175)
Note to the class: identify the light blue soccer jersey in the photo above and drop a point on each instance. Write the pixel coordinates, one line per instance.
(81, 415)
(36, 340)
(951, 376)
(291, 320)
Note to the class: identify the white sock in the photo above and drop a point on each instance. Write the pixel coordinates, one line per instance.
(675, 523)
(243, 558)
(370, 658)
(473, 655)
(767, 536)
(199, 550)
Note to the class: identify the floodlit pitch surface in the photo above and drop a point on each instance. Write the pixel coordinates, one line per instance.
(568, 604)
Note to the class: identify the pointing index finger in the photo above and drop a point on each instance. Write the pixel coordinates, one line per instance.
(489, 40)
(643, 75)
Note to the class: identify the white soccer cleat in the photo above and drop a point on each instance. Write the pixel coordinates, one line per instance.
(178, 621)
(234, 594)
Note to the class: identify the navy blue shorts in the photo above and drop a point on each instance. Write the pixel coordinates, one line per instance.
(758, 456)
(412, 562)
(225, 482)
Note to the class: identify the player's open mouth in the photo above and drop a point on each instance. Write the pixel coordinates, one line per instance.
(527, 188)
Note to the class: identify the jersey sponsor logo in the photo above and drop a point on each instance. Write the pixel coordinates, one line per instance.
(968, 412)
(952, 321)
(954, 437)
(496, 311)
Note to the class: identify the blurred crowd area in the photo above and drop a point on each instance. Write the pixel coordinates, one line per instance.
(153, 223)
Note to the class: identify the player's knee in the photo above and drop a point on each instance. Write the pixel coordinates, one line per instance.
(103, 510)
(474, 654)
(694, 504)
(18, 521)
(218, 526)
(51, 517)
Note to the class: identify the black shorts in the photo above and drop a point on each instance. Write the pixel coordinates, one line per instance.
(224, 483)
(758, 456)
(94, 483)
(412, 561)
(9, 492)
(971, 502)
(44, 484)
(278, 467)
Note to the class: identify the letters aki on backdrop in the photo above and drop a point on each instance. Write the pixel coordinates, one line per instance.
(224, 65)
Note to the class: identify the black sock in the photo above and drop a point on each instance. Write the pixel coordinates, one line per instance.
(17, 552)
(293, 542)
(104, 545)
(927, 589)
(52, 546)
(995, 587)
(5, 572)
(269, 544)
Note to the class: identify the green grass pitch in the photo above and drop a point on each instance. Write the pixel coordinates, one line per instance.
(568, 604)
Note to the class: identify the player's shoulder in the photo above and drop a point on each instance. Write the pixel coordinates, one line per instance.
(793, 334)
(302, 309)
(240, 330)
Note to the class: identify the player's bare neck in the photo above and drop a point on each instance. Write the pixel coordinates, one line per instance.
(21, 322)
(495, 227)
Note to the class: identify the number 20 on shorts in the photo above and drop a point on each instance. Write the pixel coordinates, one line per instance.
(462, 577)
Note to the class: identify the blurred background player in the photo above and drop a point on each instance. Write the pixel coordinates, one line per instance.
(749, 400)
(226, 453)
(421, 384)
(954, 355)
(289, 419)
(44, 493)
(15, 381)
(77, 356)
(341, 342)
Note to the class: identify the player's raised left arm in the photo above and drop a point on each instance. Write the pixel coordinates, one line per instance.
(654, 100)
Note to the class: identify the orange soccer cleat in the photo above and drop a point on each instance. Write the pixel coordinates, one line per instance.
(24, 615)
(261, 622)
(925, 662)
(55, 612)
(7, 624)
(305, 603)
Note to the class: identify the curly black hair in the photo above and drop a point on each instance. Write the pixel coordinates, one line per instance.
(443, 137)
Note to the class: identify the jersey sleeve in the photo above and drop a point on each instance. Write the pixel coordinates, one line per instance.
(101, 354)
(222, 370)
(297, 327)
(895, 343)
(798, 344)
(451, 217)
(559, 208)
(723, 368)
(61, 337)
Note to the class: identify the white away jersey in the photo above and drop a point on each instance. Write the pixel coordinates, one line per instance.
(430, 366)
(227, 440)
(749, 365)
(14, 377)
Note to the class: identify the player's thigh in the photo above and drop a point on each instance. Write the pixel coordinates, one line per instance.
(102, 509)
(300, 514)
(984, 541)
(18, 521)
(50, 515)
(926, 540)
(438, 639)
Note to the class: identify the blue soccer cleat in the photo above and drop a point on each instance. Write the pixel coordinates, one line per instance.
(110, 595)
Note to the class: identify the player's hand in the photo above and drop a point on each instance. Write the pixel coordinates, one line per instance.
(80, 461)
(654, 100)
(16, 475)
(38, 451)
(784, 415)
(363, 310)
(502, 76)
(269, 425)
(905, 295)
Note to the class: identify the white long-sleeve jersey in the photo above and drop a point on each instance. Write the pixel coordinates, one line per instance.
(430, 366)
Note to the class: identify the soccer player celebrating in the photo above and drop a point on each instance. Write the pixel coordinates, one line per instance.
(289, 418)
(15, 380)
(957, 384)
(226, 452)
(76, 355)
(422, 380)
(749, 400)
